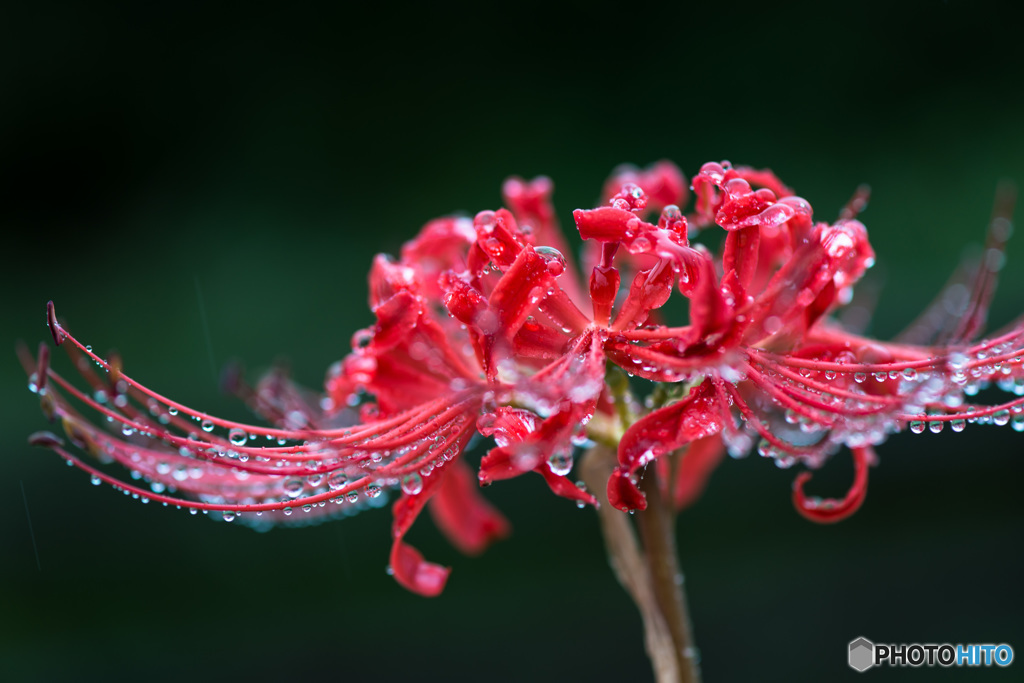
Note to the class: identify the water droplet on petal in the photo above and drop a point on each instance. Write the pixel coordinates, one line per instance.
(560, 463)
(553, 257)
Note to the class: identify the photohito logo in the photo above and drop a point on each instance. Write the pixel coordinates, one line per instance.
(863, 654)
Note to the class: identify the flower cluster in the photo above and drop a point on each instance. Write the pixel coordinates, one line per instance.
(483, 326)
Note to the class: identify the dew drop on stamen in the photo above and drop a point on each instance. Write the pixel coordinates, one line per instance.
(237, 436)
(228, 516)
(910, 374)
(880, 376)
(292, 488)
(935, 426)
(96, 481)
(207, 426)
(172, 411)
(860, 377)
(917, 426)
(958, 425)
(830, 374)
(412, 484)
(1001, 418)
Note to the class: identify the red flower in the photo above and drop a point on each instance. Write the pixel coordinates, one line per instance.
(483, 326)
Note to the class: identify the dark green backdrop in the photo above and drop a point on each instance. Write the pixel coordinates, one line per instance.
(157, 162)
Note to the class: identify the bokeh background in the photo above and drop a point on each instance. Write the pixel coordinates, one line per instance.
(194, 185)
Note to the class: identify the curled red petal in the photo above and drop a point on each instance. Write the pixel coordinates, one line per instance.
(498, 237)
(649, 290)
(442, 244)
(763, 177)
(466, 304)
(604, 286)
(388, 277)
(528, 446)
(742, 248)
(662, 181)
(607, 224)
(752, 209)
(561, 486)
(512, 299)
(709, 310)
(407, 563)
(695, 417)
(416, 574)
(830, 510)
(396, 319)
(623, 493)
(666, 429)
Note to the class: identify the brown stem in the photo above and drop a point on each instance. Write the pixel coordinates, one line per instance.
(650, 574)
(657, 530)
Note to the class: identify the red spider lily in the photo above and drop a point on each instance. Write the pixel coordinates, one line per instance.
(483, 326)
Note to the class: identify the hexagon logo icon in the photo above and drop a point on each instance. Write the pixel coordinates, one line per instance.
(862, 654)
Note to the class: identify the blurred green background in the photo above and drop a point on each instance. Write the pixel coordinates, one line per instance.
(158, 162)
